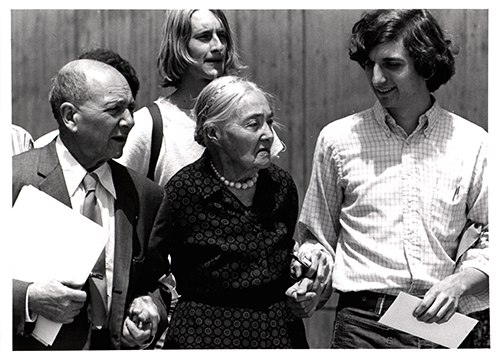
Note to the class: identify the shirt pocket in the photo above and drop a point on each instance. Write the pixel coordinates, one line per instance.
(449, 200)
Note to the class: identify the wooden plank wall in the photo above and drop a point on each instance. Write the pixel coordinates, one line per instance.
(44, 40)
(298, 55)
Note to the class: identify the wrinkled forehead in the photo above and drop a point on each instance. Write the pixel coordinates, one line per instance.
(254, 104)
(109, 86)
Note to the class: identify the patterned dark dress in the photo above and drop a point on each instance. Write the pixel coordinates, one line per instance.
(232, 262)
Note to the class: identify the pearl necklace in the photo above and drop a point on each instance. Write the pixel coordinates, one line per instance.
(246, 185)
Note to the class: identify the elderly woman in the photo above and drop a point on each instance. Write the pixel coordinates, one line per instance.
(231, 217)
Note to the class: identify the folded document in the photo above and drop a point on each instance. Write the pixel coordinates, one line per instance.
(449, 334)
(52, 242)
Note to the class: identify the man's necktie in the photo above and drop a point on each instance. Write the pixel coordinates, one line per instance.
(97, 282)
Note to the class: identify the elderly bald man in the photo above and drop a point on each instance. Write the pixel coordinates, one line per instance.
(93, 104)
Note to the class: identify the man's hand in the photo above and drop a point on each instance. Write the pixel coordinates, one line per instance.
(314, 287)
(441, 301)
(141, 323)
(321, 264)
(56, 300)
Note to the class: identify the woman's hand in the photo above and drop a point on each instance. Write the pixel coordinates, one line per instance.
(141, 323)
(301, 301)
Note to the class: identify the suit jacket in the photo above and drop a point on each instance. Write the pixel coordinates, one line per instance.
(136, 206)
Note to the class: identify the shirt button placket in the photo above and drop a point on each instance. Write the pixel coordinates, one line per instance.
(410, 211)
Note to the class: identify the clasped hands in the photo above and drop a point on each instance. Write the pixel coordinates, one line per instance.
(141, 324)
(314, 285)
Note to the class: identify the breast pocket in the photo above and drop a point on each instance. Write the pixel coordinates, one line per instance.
(449, 199)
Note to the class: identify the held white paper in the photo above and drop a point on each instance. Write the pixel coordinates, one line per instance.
(52, 242)
(449, 334)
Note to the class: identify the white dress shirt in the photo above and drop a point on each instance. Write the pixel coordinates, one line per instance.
(105, 194)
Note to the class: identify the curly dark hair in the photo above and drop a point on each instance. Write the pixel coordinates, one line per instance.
(115, 60)
(432, 52)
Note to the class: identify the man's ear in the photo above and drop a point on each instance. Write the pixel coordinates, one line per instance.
(69, 116)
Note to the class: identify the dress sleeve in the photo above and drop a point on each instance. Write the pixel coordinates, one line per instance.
(19, 291)
(137, 150)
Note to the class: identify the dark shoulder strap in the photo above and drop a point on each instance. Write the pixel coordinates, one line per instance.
(156, 139)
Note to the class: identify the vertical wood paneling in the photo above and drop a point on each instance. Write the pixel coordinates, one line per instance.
(271, 45)
(335, 86)
(38, 51)
(467, 92)
(298, 55)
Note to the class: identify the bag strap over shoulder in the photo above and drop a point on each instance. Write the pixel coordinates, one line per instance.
(156, 139)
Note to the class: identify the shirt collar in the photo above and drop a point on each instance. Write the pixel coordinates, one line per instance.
(74, 172)
(427, 121)
(432, 117)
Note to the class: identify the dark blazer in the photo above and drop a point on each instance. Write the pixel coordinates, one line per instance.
(136, 206)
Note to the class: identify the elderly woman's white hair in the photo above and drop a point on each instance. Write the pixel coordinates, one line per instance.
(219, 100)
